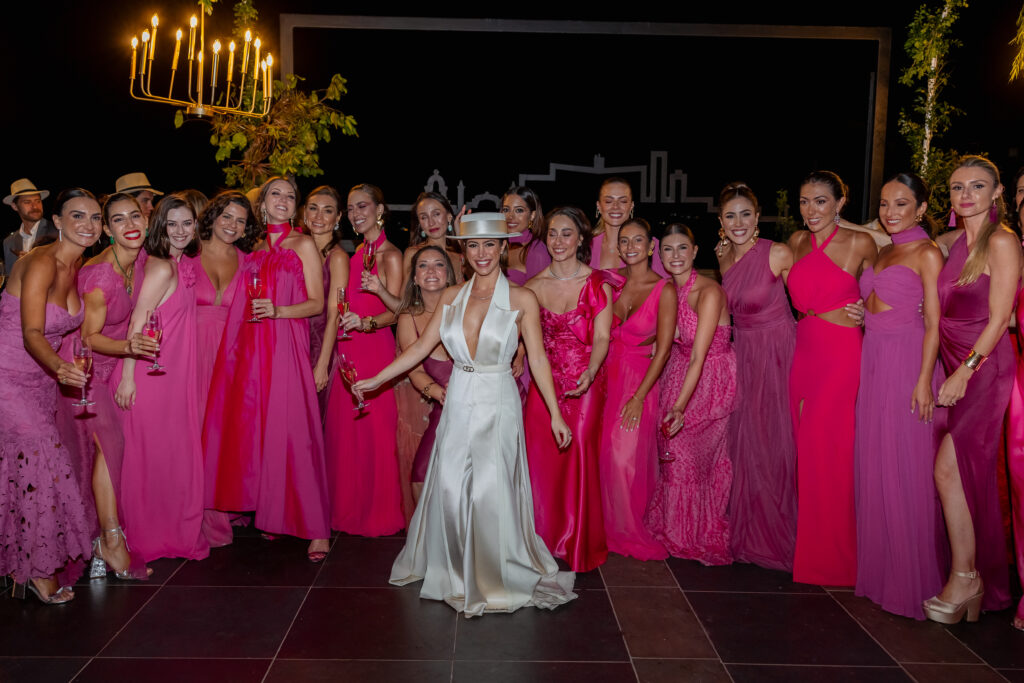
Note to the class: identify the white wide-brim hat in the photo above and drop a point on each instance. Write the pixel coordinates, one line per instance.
(22, 187)
(134, 182)
(483, 225)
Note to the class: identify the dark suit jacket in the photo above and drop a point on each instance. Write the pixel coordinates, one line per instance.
(12, 243)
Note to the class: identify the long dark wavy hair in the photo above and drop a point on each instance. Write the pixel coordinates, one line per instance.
(216, 207)
(157, 242)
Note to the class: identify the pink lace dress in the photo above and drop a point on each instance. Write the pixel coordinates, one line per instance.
(688, 512)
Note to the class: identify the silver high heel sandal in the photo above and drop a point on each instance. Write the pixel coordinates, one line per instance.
(950, 613)
(63, 595)
(136, 570)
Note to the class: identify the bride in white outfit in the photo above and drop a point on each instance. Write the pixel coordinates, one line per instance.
(472, 539)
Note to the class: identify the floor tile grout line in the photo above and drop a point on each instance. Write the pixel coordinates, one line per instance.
(130, 619)
(618, 624)
(699, 622)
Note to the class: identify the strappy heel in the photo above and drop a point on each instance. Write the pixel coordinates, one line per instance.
(136, 570)
(944, 612)
(63, 595)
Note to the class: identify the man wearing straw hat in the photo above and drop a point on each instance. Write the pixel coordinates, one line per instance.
(138, 185)
(27, 202)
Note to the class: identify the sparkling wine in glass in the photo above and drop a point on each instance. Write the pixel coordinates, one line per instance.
(154, 329)
(666, 431)
(369, 256)
(342, 310)
(82, 353)
(349, 373)
(255, 289)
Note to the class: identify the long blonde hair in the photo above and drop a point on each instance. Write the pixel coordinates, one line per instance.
(978, 256)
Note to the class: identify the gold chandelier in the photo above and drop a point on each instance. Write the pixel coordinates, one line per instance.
(234, 100)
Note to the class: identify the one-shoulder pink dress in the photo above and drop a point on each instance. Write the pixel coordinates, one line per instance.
(262, 435)
(762, 505)
(899, 523)
(822, 398)
(162, 471)
(566, 483)
(688, 511)
(975, 422)
(362, 453)
(629, 459)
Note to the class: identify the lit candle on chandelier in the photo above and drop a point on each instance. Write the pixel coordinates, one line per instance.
(263, 66)
(192, 37)
(269, 82)
(152, 43)
(135, 53)
(177, 51)
(216, 59)
(199, 81)
(231, 59)
(256, 63)
(145, 51)
(245, 56)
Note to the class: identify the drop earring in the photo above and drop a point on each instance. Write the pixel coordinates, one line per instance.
(423, 233)
(631, 212)
(837, 219)
(952, 218)
(380, 222)
(60, 235)
(757, 231)
(451, 228)
(597, 215)
(263, 214)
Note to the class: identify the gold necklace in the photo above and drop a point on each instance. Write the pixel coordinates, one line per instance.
(129, 279)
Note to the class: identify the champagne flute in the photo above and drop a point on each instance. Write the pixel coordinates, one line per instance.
(254, 288)
(154, 329)
(342, 310)
(82, 353)
(369, 256)
(349, 373)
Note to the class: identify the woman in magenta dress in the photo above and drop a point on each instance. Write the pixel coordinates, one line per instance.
(527, 256)
(977, 289)
(227, 232)
(823, 381)
(45, 529)
(576, 318)
(1015, 435)
(161, 492)
(688, 511)
(362, 458)
(321, 214)
(643, 326)
(108, 285)
(432, 273)
(898, 522)
(614, 207)
(432, 221)
(762, 505)
(262, 435)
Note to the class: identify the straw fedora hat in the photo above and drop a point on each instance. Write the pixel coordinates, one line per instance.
(22, 187)
(134, 182)
(482, 226)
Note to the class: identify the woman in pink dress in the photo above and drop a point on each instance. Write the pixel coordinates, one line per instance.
(432, 273)
(362, 460)
(762, 505)
(432, 221)
(321, 214)
(227, 232)
(161, 492)
(898, 521)
(262, 435)
(45, 528)
(643, 326)
(527, 255)
(1015, 436)
(977, 289)
(688, 511)
(576, 318)
(823, 381)
(614, 207)
(108, 285)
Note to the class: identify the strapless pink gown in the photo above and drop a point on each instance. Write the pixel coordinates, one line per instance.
(44, 526)
(688, 511)
(566, 483)
(629, 459)
(262, 434)
(161, 492)
(362, 455)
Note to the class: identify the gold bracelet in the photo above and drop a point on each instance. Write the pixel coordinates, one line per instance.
(974, 360)
(425, 391)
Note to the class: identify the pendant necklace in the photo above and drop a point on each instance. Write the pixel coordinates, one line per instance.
(129, 278)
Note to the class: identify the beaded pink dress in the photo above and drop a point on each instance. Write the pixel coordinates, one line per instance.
(44, 526)
(161, 492)
(629, 459)
(566, 483)
(362, 456)
(688, 511)
(262, 435)
(762, 505)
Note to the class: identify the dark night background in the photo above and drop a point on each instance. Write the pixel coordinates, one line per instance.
(766, 111)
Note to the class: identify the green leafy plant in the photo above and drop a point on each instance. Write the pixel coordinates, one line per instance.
(929, 42)
(786, 224)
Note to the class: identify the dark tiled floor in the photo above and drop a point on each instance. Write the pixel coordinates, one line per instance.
(258, 611)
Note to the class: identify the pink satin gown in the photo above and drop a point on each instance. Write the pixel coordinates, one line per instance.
(566, 483)
(629, 459)
(1015, 452)
(822, 398)
(262, 435)
(161, 491)
(361, 446)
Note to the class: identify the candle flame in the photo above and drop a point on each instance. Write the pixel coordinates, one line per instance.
(200, 56)
(231, 46)
(178, 36)
(248, 35)
(156, 21)
(270, 60)
(135, 42)
(257, 43)
(193, 21)
(216, 47)
(145, 36)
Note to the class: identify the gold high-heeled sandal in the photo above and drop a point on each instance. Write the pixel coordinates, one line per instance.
(952, 613)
